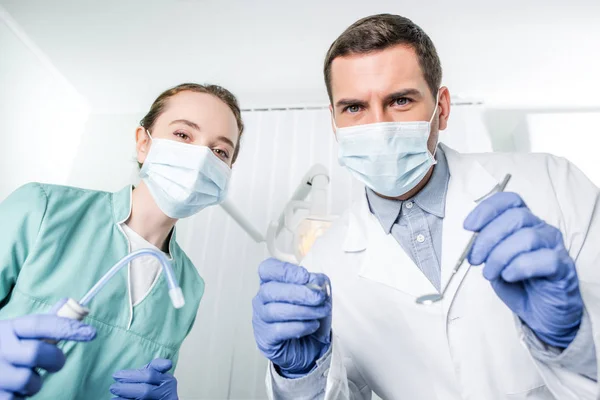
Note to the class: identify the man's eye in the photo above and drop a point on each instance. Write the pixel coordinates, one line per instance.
(352, 109)
(402, 101)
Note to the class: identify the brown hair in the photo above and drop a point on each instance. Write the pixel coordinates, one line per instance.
(379, 32)
(221, 93)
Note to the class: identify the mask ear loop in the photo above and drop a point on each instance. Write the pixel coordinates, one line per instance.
(437, 102)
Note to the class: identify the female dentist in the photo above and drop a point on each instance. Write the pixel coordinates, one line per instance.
(58, 241)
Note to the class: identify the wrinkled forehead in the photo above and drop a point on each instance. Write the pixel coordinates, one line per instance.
(380, 72)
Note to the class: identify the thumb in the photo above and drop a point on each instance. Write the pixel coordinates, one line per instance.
(161, 365)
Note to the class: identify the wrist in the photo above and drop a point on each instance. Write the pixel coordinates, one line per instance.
(559, 339)
(295, 373)
(299, 371)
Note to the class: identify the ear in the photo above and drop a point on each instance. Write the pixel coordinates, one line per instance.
(444, 106)
(142, 144)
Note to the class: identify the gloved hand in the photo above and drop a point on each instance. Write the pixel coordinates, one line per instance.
(528, 267)
(22, 350)
(151, 382)
(292, 323)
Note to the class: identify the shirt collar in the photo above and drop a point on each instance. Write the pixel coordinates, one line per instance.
(386, 210)
(122, 204)
(431, 199)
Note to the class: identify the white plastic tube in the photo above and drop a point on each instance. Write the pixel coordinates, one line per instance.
(175, 291)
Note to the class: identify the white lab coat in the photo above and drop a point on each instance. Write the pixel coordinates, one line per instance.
(470, 345)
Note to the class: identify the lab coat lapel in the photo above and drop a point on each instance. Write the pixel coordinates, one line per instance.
(469, 184)
(384, 261)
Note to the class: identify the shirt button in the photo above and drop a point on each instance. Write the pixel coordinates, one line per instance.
(409, 205)
(326, 373)
(420, 238)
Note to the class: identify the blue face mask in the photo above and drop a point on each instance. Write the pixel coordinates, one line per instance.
(183, 178)
(391, 158)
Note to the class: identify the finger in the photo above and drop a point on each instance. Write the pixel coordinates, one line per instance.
(523, 241)
(23, 381)
(144, 375)
(133, 390)
(490, 208)
(10, 396)
(281, 331)
(32, 353)
(274, 270)
(58, 306)
(321, 280)
(282, 312)
(161, 365)
(290, 293)
(52, 327)
(33, 382)
(512, 294)
(543, 263)
(497, 230)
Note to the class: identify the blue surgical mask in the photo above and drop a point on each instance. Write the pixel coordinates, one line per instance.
(183, 178)
(391, 158)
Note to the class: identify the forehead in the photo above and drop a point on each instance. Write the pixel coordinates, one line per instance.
(205, 109)
(378, 71)
(194, 103)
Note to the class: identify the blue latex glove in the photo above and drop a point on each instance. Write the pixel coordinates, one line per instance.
(151, 382)
(22, 350)
(528, 267)
(292, 323)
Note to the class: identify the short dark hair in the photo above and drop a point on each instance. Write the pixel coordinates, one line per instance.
(158, 107)
(379, 32)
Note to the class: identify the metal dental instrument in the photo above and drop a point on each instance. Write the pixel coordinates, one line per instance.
(429, 299)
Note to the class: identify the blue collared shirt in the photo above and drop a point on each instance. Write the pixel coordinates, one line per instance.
(416, 224)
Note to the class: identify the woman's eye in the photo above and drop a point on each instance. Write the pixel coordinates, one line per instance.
(221, 153)
(181, 135)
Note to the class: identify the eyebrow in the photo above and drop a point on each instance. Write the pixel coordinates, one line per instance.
(227, 141)
(388, 98)
(186, 122)
(402, 93)
(195, 126)
(350, 102)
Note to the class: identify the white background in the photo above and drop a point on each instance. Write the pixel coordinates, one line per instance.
(76, 77)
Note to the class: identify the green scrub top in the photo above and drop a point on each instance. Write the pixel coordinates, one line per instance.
(58, 241)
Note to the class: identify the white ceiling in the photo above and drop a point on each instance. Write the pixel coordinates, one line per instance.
(120, 54)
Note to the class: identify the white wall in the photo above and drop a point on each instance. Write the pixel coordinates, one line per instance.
(105, 158)
(41, 116)
(570, 132)
(121, 53)
(573, 135)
